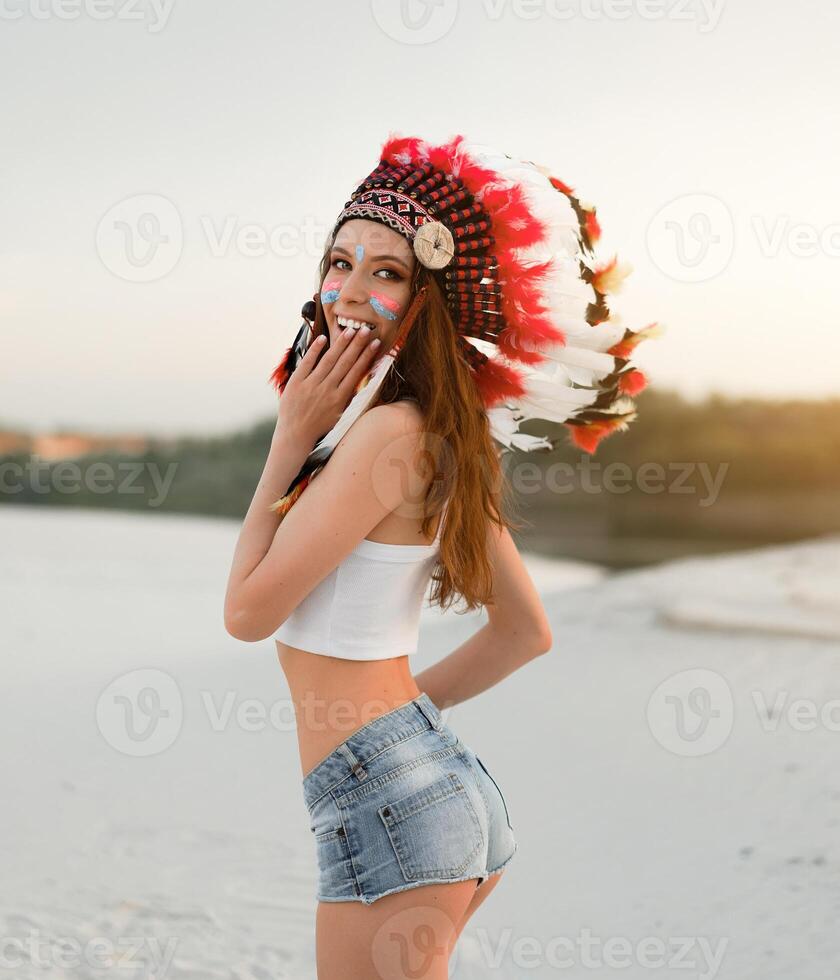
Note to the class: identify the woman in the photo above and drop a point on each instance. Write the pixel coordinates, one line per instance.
(387, 419)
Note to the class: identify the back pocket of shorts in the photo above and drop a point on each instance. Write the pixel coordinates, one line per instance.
(435, 831)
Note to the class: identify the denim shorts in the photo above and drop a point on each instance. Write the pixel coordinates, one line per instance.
(403, 802)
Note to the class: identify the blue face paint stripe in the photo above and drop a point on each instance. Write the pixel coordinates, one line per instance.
(329, 296)
(360, 252)
(380, 309)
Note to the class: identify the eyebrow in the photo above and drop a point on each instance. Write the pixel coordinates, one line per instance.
(376, 258)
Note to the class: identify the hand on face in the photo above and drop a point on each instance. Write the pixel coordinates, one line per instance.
(321, 387)
(368, 281)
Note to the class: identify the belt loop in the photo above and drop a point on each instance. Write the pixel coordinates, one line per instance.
(355, 766)
(429, 710)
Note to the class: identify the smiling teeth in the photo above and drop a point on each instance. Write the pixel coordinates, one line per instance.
(355, 324)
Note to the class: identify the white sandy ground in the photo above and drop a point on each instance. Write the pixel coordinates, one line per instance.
(700, 836)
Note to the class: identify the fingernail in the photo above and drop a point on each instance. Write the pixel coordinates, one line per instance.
(349, 331)
(375, 342)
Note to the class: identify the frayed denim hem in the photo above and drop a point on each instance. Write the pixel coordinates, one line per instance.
(419, 884)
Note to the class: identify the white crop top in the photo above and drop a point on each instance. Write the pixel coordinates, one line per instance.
(368, 607)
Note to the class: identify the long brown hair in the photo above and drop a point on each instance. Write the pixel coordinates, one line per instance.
(457, 444)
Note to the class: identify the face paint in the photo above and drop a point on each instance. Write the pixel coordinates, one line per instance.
(330, 291)
(360, 252)
(385, 306)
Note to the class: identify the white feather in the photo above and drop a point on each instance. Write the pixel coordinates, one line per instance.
(504, 424)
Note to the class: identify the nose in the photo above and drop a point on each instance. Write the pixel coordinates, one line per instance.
(353, 290)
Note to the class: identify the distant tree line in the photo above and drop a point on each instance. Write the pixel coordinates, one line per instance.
(683, 478)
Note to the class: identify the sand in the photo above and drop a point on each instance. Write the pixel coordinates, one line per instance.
(670, 767)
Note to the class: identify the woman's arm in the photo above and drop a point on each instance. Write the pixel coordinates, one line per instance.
(373, 470)
(311, 403)
(518, 631)
(285, 458)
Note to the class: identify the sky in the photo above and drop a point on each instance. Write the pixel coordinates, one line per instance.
(170, 170)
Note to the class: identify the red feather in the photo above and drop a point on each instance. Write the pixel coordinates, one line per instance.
(280, 375)
(497, 382)
(587, 437)
(525, 312)
(451, 158)
(398, 145)
(556, 182)
(593, 229)
(514, 226)
(632, 382)
(624, 347)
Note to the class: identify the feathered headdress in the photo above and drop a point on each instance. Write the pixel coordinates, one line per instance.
(514, 250)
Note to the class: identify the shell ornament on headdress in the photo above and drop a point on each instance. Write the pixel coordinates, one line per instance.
(513, 248)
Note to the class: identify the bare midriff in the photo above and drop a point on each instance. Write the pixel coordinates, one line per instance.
(334, 697)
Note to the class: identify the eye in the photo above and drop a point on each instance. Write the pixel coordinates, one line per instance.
(392, 276)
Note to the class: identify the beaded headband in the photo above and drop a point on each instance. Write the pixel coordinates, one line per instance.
(400, 212)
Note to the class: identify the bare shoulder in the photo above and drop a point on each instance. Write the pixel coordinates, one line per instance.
(392, 430)
(382, 424)
(405, 413)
